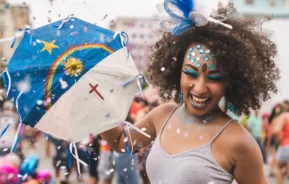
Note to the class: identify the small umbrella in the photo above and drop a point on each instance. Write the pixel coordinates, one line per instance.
(66, 79)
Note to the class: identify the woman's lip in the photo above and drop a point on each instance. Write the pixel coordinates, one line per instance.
(198, 96)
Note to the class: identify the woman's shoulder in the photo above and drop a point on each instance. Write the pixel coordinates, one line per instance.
(159, 114)
(239, 139)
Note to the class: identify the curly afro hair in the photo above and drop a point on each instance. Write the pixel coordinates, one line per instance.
(244, 56)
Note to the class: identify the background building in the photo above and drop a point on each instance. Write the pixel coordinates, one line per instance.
(142, 34)
(12, 17)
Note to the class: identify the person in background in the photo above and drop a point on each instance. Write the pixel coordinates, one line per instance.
(105, 167)
(61, 158)
(280, 128)
(8, 118)
(89, 148)
(255, 126)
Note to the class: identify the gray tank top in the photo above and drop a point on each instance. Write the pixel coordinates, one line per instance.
(196, 166)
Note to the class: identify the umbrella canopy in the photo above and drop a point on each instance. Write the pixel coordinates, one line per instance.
(66, 79)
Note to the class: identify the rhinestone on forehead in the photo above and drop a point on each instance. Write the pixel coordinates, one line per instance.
(199, 47)
(198, 58)
(193, 54)
(198, 64)
(193, 60)
(208, 51)
(191, 49)
(212, 67)
(202, 51)
(206, 58)
(189, 56)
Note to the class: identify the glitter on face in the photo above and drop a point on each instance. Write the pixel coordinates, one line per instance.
(206, 58)
(198, 64)
(208, 51)
(193, 60)
(191, 49)
(189, 56)
(202, 51)
(193, 54)
(199, 47)
(198, 58)
(201, 137)
(212, 67)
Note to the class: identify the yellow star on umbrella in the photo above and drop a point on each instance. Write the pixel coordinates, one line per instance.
(49, 46)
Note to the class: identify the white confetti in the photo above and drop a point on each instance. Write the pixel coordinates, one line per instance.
(24, 85)
(38, 41)
(71, 27)
(58, 147)
(5, 149)
(125, 169)
(122, 150)
(178, 130)
(62, 167)
(39, 102)
(111, 170)
(125, 139)
(170, 126)
(19, 175)
(66, 173)
(143, 129)
(163, 69)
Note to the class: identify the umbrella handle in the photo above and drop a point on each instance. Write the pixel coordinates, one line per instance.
(78, 160)
(137, 129)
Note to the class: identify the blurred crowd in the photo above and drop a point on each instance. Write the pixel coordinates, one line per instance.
(103, 163)
(270, 130)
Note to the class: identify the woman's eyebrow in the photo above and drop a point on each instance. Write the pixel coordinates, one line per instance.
(192, 66)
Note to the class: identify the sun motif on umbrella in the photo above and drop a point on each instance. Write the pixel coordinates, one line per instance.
(73, 66)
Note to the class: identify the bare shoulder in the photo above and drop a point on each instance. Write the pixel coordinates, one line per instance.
(241, 141)
(159, 114)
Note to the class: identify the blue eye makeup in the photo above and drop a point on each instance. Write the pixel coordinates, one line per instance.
(215, 78)
(191, 73)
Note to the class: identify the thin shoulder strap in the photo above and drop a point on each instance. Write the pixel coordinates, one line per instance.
(222, 129)
(170, 115)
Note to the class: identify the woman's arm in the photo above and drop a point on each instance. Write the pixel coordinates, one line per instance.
(248, 162)
(115, 136)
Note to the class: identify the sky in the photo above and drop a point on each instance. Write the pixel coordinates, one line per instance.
(100, 12)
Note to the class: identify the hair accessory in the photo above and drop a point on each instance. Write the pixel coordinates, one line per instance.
(186, 14)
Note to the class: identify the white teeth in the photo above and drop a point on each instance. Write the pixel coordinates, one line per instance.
(200, 99)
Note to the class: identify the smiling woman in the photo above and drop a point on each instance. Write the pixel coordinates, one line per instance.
(195, 141)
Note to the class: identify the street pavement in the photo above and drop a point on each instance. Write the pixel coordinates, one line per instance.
(46, 162)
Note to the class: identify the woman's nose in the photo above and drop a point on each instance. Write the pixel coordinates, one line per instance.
(200, 87)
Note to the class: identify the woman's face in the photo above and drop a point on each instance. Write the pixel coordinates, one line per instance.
(201, 83)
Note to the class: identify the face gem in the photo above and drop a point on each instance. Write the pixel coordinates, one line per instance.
(206, 58)
(204, 67)
(193, 54)
(198, 58)
(193, 60)
(198, 64)
(208, 51)
(191, 49)
(202, 51)
(189, 56)
(212, 67)
(199, 47)
(212, 55)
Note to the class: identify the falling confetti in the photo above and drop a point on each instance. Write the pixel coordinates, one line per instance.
(125, 169)
(4, 60)
(143, 129)
(178, 130)
(122, 150)
(163, 69)
(125, 139)
(111, 170)
(104, 17)
(6, 6)
(170, 126)
(186, 134)
(39, 102)
(71, 27)
(107, 115)
(24, 85)
(85, 29)
(201, 137)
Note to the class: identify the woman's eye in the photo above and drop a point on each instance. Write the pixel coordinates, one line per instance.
(191, 73)
(215, 78)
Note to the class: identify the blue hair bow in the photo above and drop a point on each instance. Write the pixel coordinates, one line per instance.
(185, 14)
